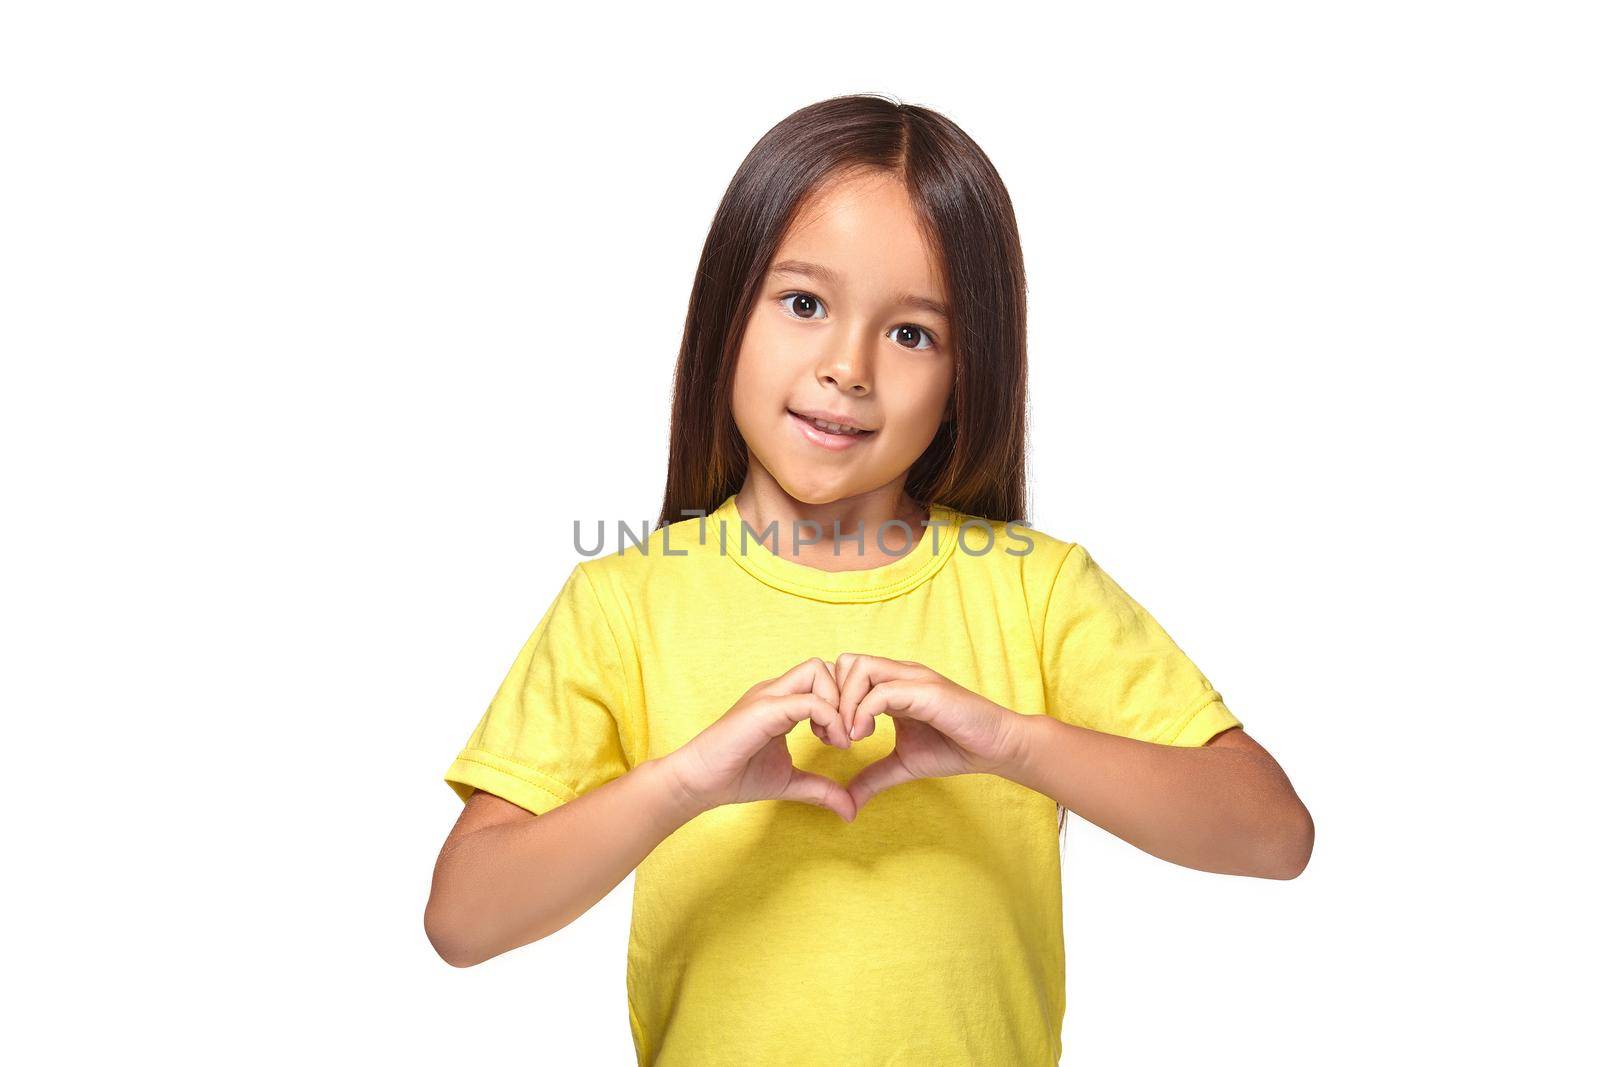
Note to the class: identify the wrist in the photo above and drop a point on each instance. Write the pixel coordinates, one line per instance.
(1025, 739)
(678, 803)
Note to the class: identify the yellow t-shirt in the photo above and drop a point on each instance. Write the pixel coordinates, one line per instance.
(928, 931)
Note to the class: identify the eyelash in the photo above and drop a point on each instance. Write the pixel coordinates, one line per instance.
(929, 334)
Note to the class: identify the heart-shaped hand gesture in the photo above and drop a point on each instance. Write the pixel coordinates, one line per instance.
(941, 728)
(744, 755)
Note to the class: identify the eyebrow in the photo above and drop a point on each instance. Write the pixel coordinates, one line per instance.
(828, 277)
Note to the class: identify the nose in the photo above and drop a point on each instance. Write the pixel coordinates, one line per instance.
(848, 368)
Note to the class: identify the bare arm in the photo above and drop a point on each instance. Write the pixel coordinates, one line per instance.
(506, 877)
(1225, 807)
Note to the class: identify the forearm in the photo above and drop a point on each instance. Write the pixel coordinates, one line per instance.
(1213, 808)
(507, 885)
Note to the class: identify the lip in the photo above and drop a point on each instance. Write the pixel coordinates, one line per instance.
(832, 441)
(830, 416)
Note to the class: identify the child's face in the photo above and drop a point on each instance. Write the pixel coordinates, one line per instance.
(850, 341)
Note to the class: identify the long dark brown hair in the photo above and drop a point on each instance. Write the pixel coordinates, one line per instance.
(976, 461)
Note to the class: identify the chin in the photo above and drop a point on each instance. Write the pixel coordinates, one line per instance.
(810, 492)
(813, 496)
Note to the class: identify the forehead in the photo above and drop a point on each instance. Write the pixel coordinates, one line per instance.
(865, 230)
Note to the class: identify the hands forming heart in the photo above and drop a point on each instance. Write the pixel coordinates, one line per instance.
(941, 729)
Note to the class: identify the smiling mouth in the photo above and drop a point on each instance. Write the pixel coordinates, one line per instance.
(832, 427)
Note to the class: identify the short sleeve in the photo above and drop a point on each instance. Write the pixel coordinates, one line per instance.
(1109, 666)
(555, 728)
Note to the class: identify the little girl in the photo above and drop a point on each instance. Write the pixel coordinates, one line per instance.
(842, 539)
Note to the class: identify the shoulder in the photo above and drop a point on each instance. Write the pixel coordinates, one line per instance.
(634, 560)
(1013, 560)
(1013, 545)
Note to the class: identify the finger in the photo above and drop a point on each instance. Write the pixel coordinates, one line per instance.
(900, 698)
(823, 682)
(841, 675)
(875, 777)
(817, 789)
(808, 676)
(814, 675)
(778, 715)
(861, 675)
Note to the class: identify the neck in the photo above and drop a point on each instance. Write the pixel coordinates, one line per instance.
(762, 501)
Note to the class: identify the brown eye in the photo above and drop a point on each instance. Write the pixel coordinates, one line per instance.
(807, 306)
(916, 333)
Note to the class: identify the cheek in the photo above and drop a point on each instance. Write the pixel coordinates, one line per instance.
(918, 396)
(760, 382)
(746, 394)
(763, 355)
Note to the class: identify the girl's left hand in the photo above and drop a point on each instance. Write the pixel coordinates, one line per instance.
(940, 727)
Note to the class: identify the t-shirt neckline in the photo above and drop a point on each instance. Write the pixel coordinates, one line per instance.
(891, 579)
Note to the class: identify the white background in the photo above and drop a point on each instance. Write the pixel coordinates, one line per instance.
(322, 322)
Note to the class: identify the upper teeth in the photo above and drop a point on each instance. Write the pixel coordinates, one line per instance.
(833, 427)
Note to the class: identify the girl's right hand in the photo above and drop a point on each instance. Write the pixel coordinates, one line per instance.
(744, 755)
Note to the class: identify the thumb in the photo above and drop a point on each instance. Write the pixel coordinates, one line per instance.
(875, 777)
(809, 788)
